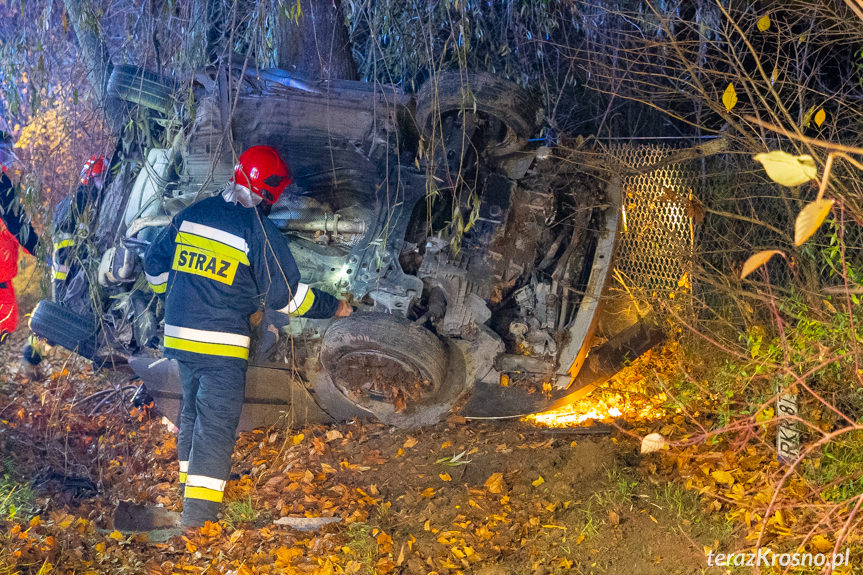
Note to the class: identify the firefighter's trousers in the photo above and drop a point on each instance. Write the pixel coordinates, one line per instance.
(213, 391)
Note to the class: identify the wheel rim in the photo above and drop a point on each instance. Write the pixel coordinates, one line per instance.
(374, 377)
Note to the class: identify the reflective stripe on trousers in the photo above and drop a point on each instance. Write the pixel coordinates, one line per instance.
(213, 395)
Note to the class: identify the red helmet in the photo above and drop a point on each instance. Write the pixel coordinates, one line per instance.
(262, 171)
(92, 167)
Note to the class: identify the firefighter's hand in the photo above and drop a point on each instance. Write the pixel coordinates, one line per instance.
(344, 309)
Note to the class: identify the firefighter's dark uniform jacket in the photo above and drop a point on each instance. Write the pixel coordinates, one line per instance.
(71, 223)
(216, 263)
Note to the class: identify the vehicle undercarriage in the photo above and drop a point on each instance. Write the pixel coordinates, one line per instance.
(473, 255)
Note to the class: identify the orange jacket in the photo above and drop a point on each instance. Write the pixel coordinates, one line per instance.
(8, 254)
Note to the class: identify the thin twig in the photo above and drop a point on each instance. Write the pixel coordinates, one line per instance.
(855, 8)
(805, 139)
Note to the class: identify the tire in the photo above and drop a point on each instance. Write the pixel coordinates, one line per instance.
(63, 327)
(493, 96)
(141, 87)
(399, 344)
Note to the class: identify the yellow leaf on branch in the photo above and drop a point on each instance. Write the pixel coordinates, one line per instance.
(810, 219)
(729, 98)
(763, 23)
(807, 117)
(757, 260)
(788, 170)
(820, 116)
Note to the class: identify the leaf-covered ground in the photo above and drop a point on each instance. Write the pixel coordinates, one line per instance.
(459, 497)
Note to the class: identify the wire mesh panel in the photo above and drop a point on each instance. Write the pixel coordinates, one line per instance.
(655, 247)
(688, 227)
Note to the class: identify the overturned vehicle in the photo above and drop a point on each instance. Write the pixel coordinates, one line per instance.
(475, 258)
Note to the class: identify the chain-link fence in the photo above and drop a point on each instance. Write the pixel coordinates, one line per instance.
(658, 229)
(687, 228)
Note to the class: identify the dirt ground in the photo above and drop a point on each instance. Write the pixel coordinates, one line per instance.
(459, 497)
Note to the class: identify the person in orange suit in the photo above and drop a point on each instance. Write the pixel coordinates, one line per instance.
(15, 233)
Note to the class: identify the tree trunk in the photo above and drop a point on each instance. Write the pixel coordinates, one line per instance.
(99, 65)
(317, 44)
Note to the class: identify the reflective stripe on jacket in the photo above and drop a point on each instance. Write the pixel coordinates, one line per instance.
(61, 257)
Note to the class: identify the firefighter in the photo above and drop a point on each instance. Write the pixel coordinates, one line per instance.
(73, 218)
(216, 263)
(70, 285)
(15, 232)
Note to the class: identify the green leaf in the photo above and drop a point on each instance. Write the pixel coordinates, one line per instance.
(454, 460)
(788, 170)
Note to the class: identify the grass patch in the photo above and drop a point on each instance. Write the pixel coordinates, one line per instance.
(685, 505)
(17, 500)
(363, 545)
(839, 468)
(239, 512)
(590, 519)
(621, 489)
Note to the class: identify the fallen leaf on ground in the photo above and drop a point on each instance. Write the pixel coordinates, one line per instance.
(494, 483)
(722, 477)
